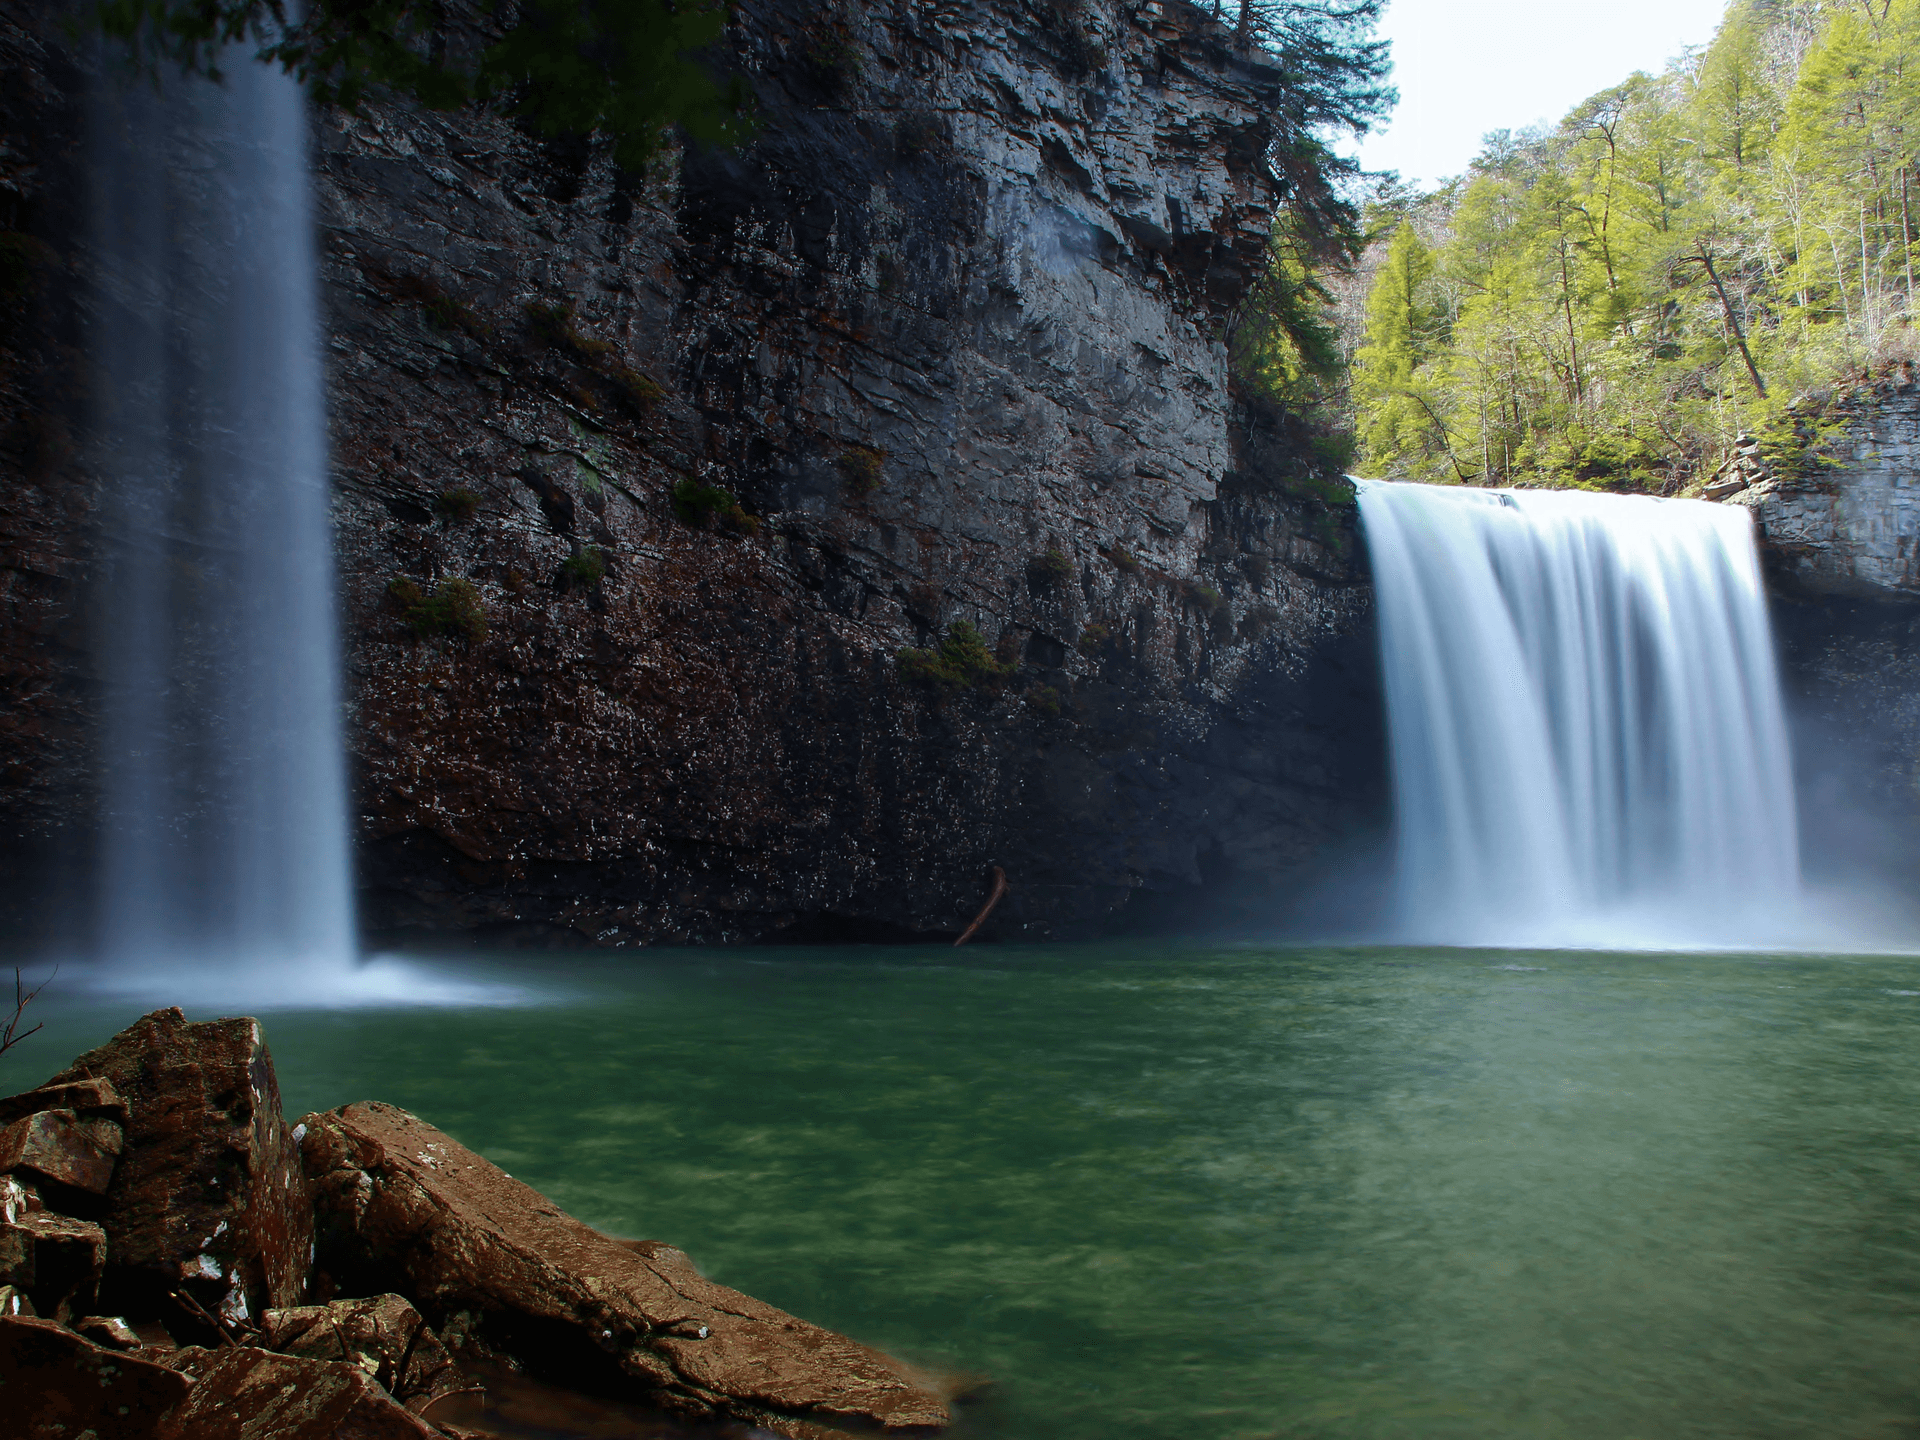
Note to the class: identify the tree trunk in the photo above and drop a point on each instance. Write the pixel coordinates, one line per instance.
(1733, 321)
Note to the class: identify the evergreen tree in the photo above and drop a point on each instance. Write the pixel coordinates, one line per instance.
(1398, 427)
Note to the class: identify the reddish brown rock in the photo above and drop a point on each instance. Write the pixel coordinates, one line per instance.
(56, 1385)
(55, 1259)
(383, 1335)
(207, 1196)
(248, 1394)
(108, 1330)
(479, 1252)
(88, 1098)
(58, 1145)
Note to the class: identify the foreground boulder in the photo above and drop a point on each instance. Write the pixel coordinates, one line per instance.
(58, 1145)
(245, 1393)
(56, 1385)
(54, 1260)
(493, 1262)
(383, 1335)
(206, 1197)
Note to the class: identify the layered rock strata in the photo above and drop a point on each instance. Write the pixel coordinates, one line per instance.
(644, 484)
(1838, 534)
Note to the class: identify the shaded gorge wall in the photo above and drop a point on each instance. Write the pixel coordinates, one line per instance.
(641, 488)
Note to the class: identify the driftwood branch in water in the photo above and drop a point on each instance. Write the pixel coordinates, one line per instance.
(999, 889)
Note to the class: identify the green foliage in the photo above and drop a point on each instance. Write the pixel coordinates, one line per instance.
(1286, 345)
(1045, 699)
(443, 312)
(1203, 598)
(861, 467)
(699, 504)
(640, 391)
(571, 69)
(454, 609)
(1123, 560)
(960, 662)
(586, 567)
(626, 70)
(1092, 640)
(457, 504)
(553, 323)
(1051, 570)
(1609, 303)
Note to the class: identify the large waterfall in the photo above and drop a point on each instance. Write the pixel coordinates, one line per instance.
(224, 834)
(1587, 734)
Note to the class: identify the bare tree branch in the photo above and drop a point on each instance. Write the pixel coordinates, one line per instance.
(11, 1034)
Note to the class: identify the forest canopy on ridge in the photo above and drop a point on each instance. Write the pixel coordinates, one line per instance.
(1612, 301)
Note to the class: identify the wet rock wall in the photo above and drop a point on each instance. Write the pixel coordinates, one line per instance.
(1838, 540)
(644, 483)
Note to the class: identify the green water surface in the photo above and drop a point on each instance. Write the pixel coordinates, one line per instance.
(1231, 1192)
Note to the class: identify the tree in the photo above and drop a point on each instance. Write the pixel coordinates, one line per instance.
(1400, 431)
(627, 68)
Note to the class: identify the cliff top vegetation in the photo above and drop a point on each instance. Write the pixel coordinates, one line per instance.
(1611, 302)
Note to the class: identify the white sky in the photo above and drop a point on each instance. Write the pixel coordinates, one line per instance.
(1465, 67)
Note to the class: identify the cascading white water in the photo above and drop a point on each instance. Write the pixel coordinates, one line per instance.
(1588, 740)
(224, 834)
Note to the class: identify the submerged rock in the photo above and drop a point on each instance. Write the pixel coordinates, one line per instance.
(497, 1264)
(207, 1196)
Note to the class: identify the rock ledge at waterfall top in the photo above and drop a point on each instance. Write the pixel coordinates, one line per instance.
(1849, 527)
(224, 1277)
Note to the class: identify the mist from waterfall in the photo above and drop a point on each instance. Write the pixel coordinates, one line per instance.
(224, 839)
(1587, 735)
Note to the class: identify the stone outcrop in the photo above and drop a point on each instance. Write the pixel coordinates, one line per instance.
(488, 1257)
(58, 1385)
(245, 1393)
(54, 1260)
(189, 1233)
(57, 1145)
(944, 343)
(1847, 523)
(208, 1197)
(383, 1335)
(1838, 532)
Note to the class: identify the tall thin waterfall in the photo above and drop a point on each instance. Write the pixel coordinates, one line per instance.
(1586, 726)
(224, 805)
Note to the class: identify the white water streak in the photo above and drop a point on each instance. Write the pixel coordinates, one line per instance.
(224, 802)
(1588, 740)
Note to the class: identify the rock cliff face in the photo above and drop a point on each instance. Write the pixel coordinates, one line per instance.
(1839, 543)
(643, 484)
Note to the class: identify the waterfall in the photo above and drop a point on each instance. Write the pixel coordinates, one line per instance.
(1587, 734)
(224, 841)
